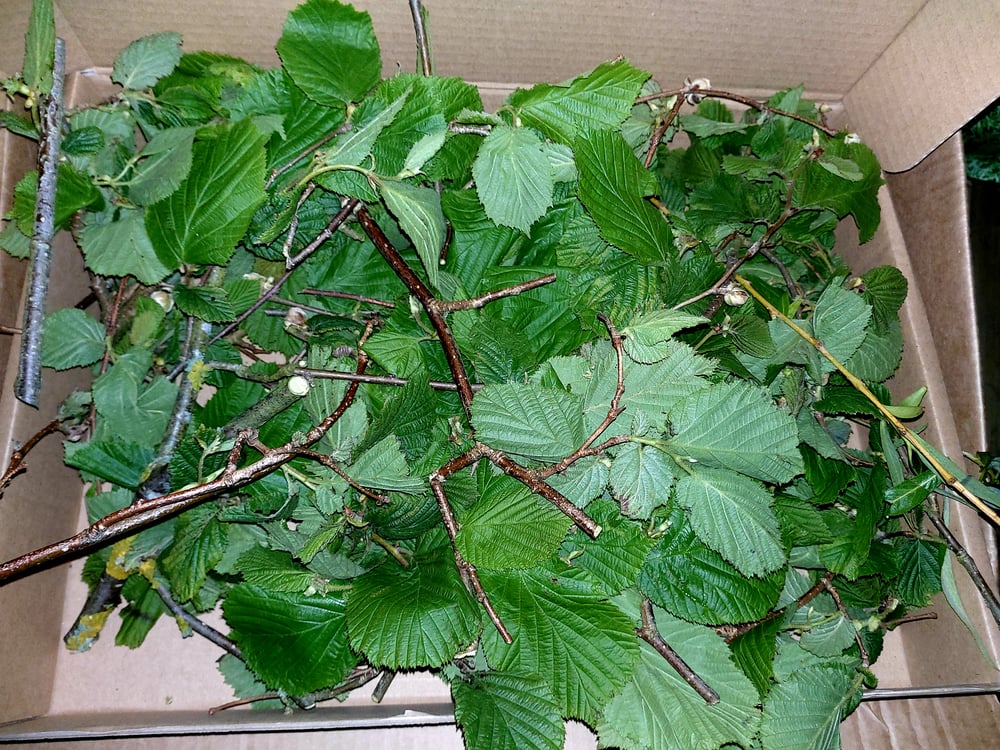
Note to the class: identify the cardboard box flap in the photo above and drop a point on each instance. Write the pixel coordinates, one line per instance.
(910, 72)
(940, 72)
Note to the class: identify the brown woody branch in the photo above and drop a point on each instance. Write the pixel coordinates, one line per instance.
(651, 635)
(16, 464)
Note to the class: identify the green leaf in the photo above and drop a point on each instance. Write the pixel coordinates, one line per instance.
(648, 337)
(353, 147)
(330, 51)
(578, 642)
(840, 321)
(275, 571)
(164, 164)
(658, 710)
(74, 191)
(641, 478)
(39, 46)
(423, 151)
(599, 100)
(199, 543)
(418, 211)
(18, 125)
(920, 562)
(692, 581)
(830, 633)
(145, 61)
(818, 187)
(510, 527)
(122, 248)
(245, 684)
(507, 711)
(613, 186)
(83, 141)
(280, 633)
(383, 467)
(71, 338)
(140, 614)
(884, 288)
(513, 177)
(209, 303)
(906, 496)
(131, 409)
(419, 616)
(733, 516)
(201, 222)
(804, 711)
(736, 427)
(616, 556)
(704, 127)
(540, 423)
(115, 461)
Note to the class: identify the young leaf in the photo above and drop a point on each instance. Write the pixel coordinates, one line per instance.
(280, 633)
(648, 337)
(115, 461)
(617, 555)
(507, 711)
(613, 187)
(733, 516)
(513, 177)
(71, 338)
(165, 163)
(147, 60)
(419, 616)
(330, 51)
(383, 466)
(641, 478)
(39, 46)
(921, 563)
(599, 100)
(418, 211)
(201, 222)
(904, 497)
(658, 710)
(840, 321)
(577, 641)
(540, 423)
(354, 146)
(510, 527)
(736, 427)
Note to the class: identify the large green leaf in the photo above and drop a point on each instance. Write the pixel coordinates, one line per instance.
(355, 146)
(383, 466)
(692, 581)
(658, 710)
(419, 616)
(507, 711)
(513, 176)
(275, 570)
(732, 514)
(840, 321)
(577, 641)
(330, 51)
(418, 211)
(71, 338)
(122, 248)
(280, 633)
(616, 556)
(510, 527)
(164, 163)
(201, 222)
(115, 461)
(613, 187)
(527, 420)
(147, 60)
(599, 100)
(804, 710)
(641, 479)
(131, 409)
(648, 338)
(736, 427)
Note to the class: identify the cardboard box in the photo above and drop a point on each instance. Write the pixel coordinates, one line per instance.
(905, 74)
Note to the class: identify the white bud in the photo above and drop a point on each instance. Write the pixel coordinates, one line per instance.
(298, 385)
(852, 138)
(164, 299)
(691, 88)
(296, 318)
(735, 297)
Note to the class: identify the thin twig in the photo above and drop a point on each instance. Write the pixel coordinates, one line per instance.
(661, 131)
(651, 635)
(16, 464)
(28, 385)
(197, 625)
(382, 687)
(732, 632)
(420, 31)
(345, 295)
(475, 303)
(966, 561)
(832, 590)
(351, 377)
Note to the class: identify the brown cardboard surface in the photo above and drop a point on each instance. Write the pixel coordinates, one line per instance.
(883, 64)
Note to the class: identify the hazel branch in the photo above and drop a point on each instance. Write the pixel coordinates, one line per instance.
(28, 385)
(16, 465)
(197, 625)
(651, 635)
(904, 432)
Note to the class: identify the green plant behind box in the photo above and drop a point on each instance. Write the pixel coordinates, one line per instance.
(516, 397)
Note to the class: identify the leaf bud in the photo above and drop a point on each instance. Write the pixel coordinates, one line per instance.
(298, 385)
(164, 299)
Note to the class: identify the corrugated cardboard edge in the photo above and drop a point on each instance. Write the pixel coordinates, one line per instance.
(935, 65)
